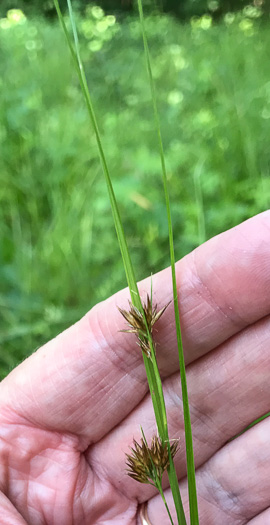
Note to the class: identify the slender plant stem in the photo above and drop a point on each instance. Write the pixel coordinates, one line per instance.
(162, 425)
(250, 426)
(116, 215)
(159, 487)
(152, 373)
(193, 504)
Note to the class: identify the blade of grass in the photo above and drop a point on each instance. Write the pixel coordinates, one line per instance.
(153, 377)
(152, 372)
(194, 516)
(116, 216)
(250, 426)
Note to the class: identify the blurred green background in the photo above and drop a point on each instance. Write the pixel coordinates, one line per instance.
(58, 249)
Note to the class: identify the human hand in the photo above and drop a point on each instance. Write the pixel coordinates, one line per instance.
(68, 414)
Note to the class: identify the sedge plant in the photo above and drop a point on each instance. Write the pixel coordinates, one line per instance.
(146, 463)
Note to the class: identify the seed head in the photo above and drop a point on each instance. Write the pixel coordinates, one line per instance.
(147, 464)
(140, 324)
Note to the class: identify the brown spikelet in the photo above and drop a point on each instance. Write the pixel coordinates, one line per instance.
(147, 464)
(140, 324)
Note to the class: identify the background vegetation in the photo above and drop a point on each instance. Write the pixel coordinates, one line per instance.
(58, 251)
(182, 9)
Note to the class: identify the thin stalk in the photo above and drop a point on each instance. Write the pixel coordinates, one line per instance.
(116, 215)
(250, 426)
(193, 504)
(152, 373)
(153, 388)
(130, 275)
(163, 432)
(159, 487)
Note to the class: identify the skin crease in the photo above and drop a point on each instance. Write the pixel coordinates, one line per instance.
(68, 413)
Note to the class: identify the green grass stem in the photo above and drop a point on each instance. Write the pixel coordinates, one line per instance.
(115, 211)
(265, 416)
(194, 516)
(130, 275)
(165, 502)
(152, 372)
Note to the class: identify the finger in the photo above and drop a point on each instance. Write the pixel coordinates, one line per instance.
(93, 373)
(261, 519)
(228, 389)
(9, 514)
(233, 486)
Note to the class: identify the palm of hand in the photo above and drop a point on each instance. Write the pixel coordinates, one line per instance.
(69, 413)
(46, 471)
(51, 482)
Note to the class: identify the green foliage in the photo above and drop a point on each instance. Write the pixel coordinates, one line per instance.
(183, 9)
(58, 250)
(190, 8)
